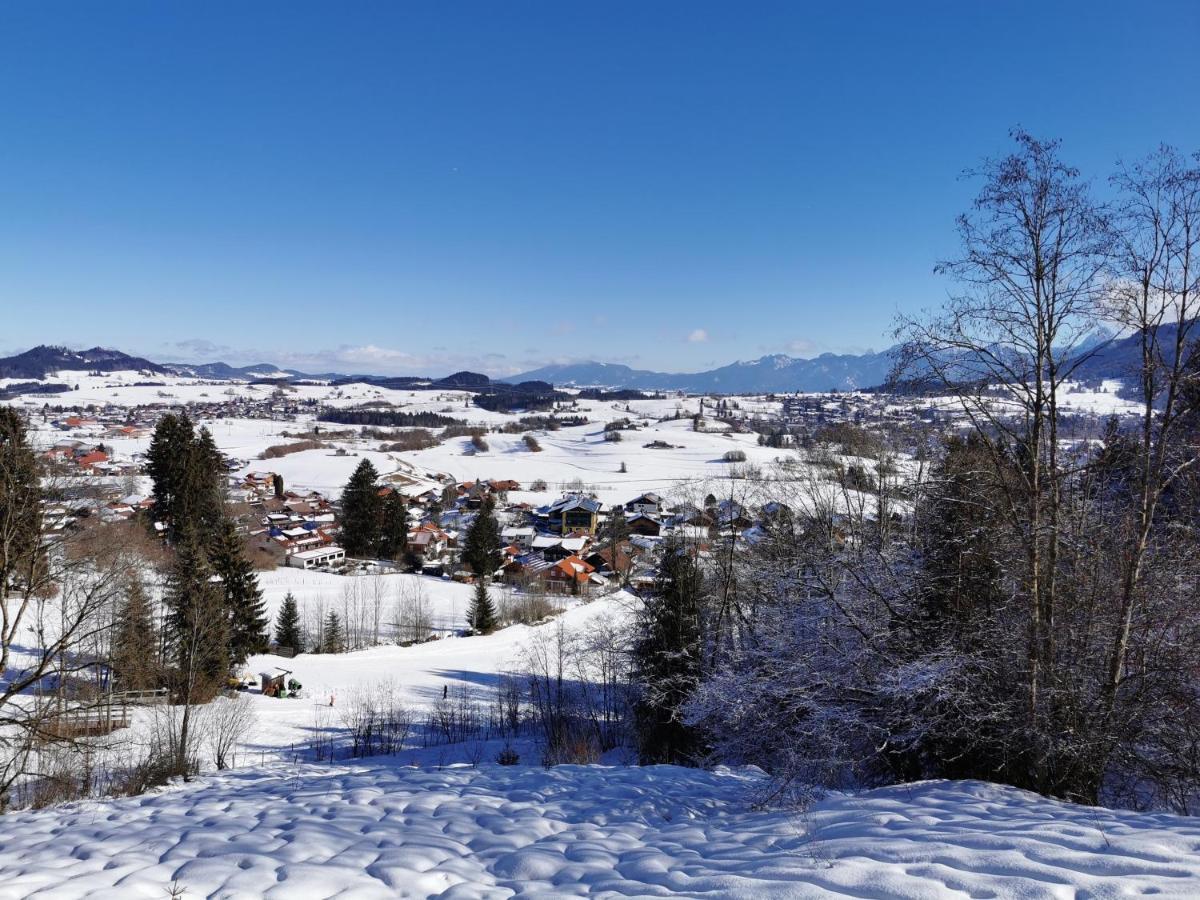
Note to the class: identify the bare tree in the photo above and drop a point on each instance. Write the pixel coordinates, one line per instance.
(1035, 250)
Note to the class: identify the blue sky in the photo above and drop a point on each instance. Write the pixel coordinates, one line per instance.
(402, 187)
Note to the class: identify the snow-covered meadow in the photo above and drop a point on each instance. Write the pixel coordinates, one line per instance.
(374, 829)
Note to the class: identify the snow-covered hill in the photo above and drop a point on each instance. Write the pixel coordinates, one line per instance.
(372, 829)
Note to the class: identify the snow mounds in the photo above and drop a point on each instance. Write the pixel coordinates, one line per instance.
(375, 830)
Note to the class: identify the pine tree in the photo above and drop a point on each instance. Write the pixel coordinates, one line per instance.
(288, 631)
(394, 533)
(333, 640)
(482, 614)
(361, 511)
(243, 601)
(135, 645)
(481, 549)
(277, 485)
(666, 659)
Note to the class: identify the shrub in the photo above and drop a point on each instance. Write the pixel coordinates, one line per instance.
(277, 450)
(732, 456)
(531, 444)
(417, 439)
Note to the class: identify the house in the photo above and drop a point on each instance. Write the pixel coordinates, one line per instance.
(574, 513)
(521, 536)
(525, 567)
(92, 461)
(603, 560)
(570, 576)
(427, 542)
(645, 524)
(318, 558)
(648, 504)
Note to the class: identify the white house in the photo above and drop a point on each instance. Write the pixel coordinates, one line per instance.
(319, 558)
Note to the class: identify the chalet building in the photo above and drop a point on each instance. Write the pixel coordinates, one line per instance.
(520, 536)
(427, 542)
(574, 513)
(645, 525)
(571, 576)
(648, 504)
(602, 560)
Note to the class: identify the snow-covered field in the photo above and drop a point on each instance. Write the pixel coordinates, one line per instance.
(372, 829)
(367, 828)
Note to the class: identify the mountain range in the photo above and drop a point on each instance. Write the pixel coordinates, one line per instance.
(774, 373)
(45, 360)
(1113, 358)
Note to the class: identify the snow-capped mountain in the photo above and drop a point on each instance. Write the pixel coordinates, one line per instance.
(776, 372)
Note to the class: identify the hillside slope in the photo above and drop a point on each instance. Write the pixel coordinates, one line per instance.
(375, 830)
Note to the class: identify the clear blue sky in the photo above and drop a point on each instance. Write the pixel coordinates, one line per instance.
(397, 187)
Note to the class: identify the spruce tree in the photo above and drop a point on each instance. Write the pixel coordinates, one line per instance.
(166, 463)
(361, 512)
(666, 659)
(197, 627)
(482, 614)
(333, 640)
(481, 549)
(393, 536)
(20, 508)
(288, 631)
(188, 478)
(206, 484)
(244, 608)
(135, 644)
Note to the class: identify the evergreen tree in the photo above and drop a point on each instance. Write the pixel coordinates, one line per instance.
(187, 473)
(482, 614)
(277, 485)
(666, 659)
(166, 463)
(197, 627)
(361, 512)
(394, 533)
(135, 644)
(244, 608)
(288, 631)
(333, 640)
(481, 549)
(20, 507)
(202, 501)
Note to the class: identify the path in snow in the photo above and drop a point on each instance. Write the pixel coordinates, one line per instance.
(374, 830)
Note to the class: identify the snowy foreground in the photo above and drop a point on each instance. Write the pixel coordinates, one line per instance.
(377, 830)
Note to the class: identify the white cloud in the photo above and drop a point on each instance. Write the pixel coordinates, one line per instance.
(699, 336)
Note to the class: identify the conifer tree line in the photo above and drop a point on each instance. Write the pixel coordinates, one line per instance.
(1025, 606)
